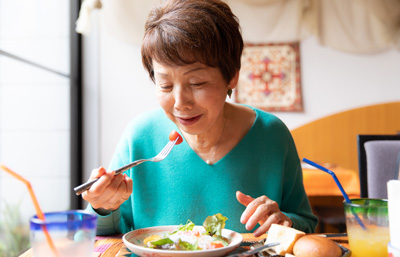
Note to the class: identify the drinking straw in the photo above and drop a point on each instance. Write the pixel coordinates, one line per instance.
(346, 197)
(39, 212)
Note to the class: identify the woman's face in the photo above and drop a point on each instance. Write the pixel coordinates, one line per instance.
(192, 96)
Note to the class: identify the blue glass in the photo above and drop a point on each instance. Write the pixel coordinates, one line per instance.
(72, 232)
(73, 220)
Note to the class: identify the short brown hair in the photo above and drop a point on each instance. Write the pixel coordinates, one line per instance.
(181, 32)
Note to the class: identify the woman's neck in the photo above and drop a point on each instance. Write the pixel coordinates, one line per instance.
(234, 124)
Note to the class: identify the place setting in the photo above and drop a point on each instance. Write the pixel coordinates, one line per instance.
(372, 229)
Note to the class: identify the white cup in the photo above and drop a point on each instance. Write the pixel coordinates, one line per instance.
(393, 252)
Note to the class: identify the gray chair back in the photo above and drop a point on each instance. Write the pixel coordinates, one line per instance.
(398, 165)
(381, 166)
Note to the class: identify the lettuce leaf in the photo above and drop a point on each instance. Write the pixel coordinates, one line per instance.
(187, 227)
(163, 241)
(183, 245)
(221, 239)
(214, 224)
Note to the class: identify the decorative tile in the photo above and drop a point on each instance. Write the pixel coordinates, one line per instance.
(270, 77)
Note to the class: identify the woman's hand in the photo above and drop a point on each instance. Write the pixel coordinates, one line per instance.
(263, 211)
(109, 192)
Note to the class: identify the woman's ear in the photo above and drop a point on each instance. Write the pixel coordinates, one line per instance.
(233, 84)
(234, 81)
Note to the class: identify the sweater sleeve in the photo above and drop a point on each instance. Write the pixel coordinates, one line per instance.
(108, 224)
(295, 201)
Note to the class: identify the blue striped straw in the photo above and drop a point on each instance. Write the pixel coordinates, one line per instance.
(346, 197)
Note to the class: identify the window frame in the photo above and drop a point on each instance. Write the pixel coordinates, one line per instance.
(76, 109)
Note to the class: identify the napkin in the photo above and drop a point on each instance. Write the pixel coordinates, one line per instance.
(393, 189)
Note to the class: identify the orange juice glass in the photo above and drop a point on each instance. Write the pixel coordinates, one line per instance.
(374, 238)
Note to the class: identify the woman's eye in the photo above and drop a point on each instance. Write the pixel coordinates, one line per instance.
(197, 84)
(165, 87)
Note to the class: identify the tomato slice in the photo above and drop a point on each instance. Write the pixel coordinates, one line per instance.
(173, 135)
(216, 244)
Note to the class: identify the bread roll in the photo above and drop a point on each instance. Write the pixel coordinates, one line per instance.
(285, 236)
(316, 246)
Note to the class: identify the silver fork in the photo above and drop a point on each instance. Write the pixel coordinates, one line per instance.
(159, 157)
(253, 251)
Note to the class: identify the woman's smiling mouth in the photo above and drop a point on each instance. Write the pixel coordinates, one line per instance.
(189, 121)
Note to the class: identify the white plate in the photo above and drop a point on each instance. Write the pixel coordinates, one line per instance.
(134, 242)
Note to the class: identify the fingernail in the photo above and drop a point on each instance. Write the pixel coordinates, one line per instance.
(256, 233)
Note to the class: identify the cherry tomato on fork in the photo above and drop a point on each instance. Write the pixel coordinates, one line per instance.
(173, 135)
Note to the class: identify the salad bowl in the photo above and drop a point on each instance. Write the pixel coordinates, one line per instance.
(134, 242)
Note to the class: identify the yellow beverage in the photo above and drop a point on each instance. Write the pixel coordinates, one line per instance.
(367, 225)
(371, 242)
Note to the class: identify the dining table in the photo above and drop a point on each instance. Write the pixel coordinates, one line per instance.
(113, 246)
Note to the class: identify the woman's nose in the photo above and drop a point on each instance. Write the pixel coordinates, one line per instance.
(183, 98)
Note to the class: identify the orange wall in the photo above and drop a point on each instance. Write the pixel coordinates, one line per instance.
(333, 139)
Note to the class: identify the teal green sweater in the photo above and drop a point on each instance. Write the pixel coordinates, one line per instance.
(183, 186)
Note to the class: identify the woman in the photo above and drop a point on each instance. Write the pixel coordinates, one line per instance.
(235, 160)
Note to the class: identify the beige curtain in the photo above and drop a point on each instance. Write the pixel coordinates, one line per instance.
(265, 21)
(356, 26)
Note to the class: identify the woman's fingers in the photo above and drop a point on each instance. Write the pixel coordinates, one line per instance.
(277, 218)
(263, 211)
(105, 179)
(252, 211)
(129, 185)
(119, 190)
(96, 173)
(259, 210)
(246, 200)
(274, 218)
(115, 183)
(243, 199)
(110, 191)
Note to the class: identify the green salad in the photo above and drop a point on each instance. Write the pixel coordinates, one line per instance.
(187, 237)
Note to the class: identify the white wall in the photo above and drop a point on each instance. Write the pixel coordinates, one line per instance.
(332, 81)
(35, 105)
